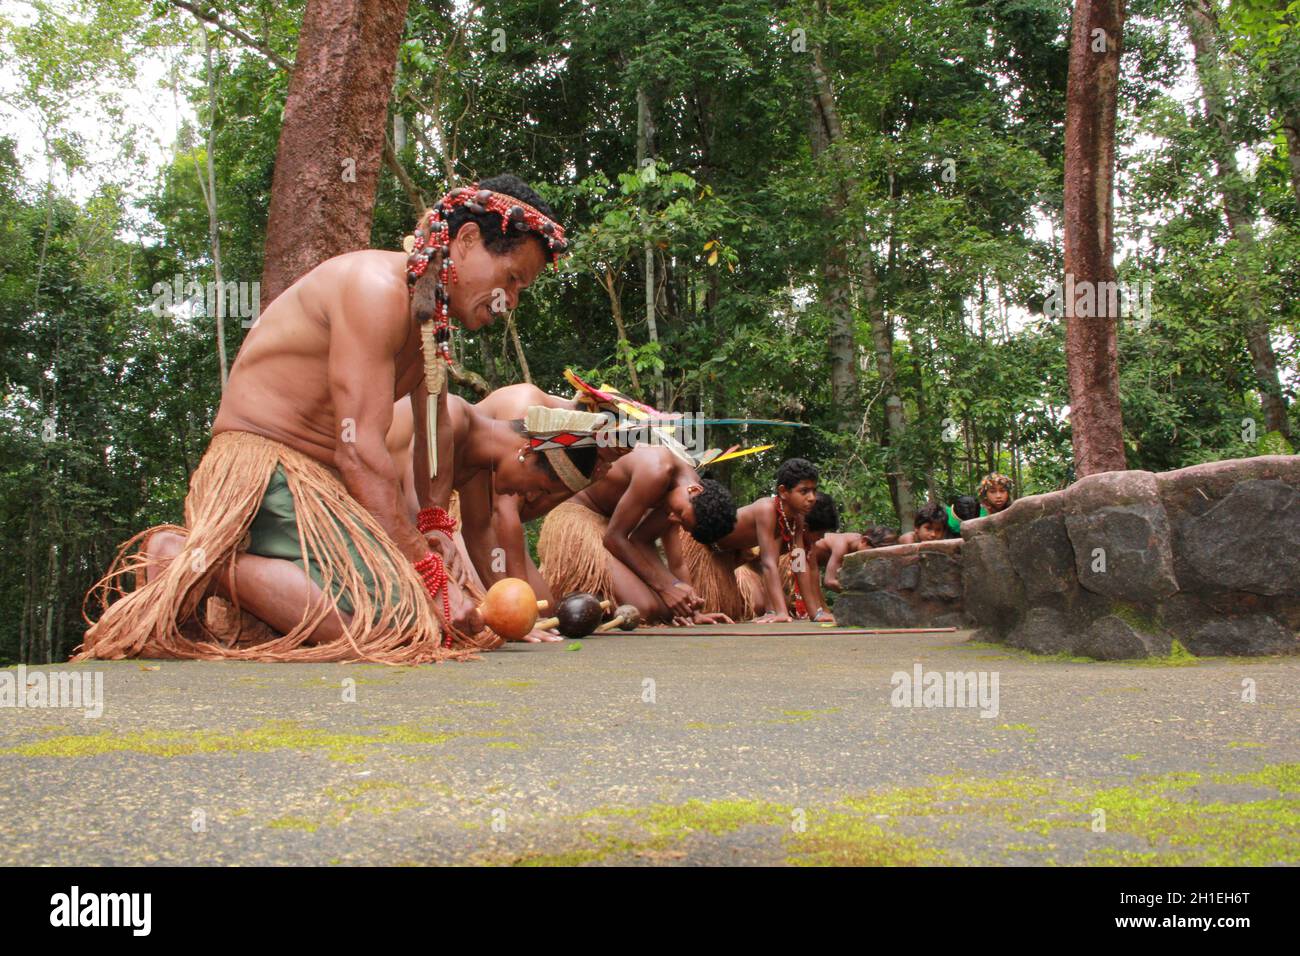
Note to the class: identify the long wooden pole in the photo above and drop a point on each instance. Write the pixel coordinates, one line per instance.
(709, 630)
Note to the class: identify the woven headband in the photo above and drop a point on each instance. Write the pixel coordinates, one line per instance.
(432, 236)
(553, 431)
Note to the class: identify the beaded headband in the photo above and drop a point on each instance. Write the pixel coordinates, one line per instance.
(432, 241)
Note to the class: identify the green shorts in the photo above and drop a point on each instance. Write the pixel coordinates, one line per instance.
(274, 534)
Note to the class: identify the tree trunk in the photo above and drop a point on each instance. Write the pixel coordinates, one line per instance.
(519, 350)
(616, 309)
(332, 139)
(645, 151)
(838, 300)
(210, 197)
(27, 628)
(488, 359)
(831, 131)
(1203, 25)
(51, 595)
(1091, 345)
(1291, 127)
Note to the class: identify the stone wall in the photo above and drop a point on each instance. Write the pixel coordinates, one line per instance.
(906, 585)
(1120, 564)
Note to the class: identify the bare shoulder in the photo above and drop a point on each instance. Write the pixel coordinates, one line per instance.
(458, 410)
(368, 289)
(643, 466)
(655, 459)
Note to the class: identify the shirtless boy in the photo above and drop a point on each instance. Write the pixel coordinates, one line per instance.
(603, 540)
(931, 524)
(771, 524)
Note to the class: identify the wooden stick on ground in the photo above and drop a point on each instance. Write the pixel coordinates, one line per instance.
(709, 629)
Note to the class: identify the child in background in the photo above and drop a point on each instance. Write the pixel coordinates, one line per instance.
(823, 520)
(963, 509)
(931, 525)
(879, 536)
(995, 492)
(831, 551)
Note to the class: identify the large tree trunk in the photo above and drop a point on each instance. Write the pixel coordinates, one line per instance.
(835, 276)
(1091, 346)
(332, 139)
(1203, 24)
(843, 342)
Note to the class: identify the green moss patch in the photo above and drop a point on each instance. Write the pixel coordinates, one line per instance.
(1179, 656)
(273, 735)
(293, 823)
(908, 826)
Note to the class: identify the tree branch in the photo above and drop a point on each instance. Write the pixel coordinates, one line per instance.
(238, 34)
(413, 194)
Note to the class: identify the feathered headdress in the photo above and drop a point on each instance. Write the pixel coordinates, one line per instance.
(614, 402)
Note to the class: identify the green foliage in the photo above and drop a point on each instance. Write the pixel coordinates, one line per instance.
(947, 180)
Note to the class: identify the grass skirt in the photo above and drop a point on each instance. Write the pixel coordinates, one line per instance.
(161, 619)
(571, 549)
(713, 575)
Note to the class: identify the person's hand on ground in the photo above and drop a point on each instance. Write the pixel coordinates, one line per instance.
(465, 616)
(823, 616)
(773, 619)
(697, 602)
(537, 636)
(679, 599)
(712, 618)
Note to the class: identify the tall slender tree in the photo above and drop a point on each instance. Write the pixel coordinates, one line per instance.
(1091, 341)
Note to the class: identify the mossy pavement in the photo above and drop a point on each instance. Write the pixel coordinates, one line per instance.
(690, 749)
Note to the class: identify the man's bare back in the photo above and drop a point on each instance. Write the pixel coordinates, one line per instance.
(512, 401)
(658, 470)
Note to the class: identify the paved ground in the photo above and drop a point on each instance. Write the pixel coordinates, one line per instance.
(671, 749)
